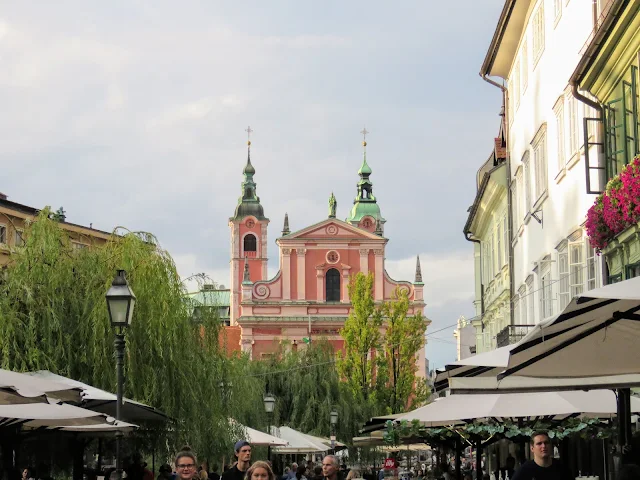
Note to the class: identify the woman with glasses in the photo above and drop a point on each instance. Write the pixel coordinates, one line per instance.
(186, 463)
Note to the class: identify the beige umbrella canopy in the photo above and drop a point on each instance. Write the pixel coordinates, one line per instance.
(36, 415)
(597, 335)
(460, 409)
(19, 388)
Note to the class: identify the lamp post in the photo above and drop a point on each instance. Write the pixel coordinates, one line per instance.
(269, 405)
(120, 303)
(334, 421)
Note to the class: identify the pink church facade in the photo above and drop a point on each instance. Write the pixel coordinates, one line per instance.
(308, 297)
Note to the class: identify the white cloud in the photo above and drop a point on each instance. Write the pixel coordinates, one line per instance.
(447, 277)
(187, 266)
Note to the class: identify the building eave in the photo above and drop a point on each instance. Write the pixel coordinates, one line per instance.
(506, 39)
(599, 40)
(491, 174)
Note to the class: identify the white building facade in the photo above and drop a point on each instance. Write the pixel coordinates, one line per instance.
(535, 50)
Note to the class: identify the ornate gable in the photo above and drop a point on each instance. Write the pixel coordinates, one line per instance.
(332, 229)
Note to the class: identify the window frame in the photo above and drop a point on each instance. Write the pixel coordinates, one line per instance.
(531, 306)
(561, 149)
(546, 289)
(525, 64)
(564, 296)
(19, 234)
(576, 268)
(591, 260)
(4, 234)
(540, 161)
(337, 289)
(244, 243)
(526, 162)
(538, 27)
(573, 138)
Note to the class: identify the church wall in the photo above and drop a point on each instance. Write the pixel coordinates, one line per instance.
(372, 261)
(261, 347)
(293, 275)
(310, 274)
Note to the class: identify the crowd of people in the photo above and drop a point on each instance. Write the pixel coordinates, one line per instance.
(187, 468)
(542, 466)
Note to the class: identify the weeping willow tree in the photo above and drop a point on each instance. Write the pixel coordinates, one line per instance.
(307, 387)
(53, 316)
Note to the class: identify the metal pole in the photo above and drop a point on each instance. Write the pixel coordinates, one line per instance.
(478, 459)
(120, 345)
(270, 420)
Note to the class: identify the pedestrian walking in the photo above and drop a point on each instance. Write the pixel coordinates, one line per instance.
(330, 467)
(543, 466)
(243, 454)
(300, 473)
(260, 471)
(292, 472)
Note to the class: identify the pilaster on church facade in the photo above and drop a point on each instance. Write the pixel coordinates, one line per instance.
(308, 297)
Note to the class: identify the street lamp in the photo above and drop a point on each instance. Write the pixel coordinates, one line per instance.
(269, 405)
(334, 421)
(120, 303)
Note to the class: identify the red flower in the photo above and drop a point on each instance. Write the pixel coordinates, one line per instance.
(617, 208)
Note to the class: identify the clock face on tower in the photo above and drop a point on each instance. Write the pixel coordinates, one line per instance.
(367, 223)
(250, 223)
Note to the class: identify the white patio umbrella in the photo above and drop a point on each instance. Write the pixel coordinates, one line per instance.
(35, 415)
(479, 374)
(461, 409)
(97, 428)
(297, 442)
(19, 388)
(256, 437)
(102, 401)
(597, 335)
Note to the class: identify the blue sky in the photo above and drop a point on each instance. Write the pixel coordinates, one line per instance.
(133, 113)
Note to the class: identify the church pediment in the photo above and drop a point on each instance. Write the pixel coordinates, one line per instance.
(332, 228)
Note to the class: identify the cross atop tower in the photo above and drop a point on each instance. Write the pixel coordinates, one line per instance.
(249, 132)
(364, 136)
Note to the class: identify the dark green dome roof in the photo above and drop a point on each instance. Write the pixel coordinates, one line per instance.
(246, 209)
(248, 169)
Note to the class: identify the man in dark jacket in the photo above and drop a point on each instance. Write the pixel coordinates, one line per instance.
(243, 453)
(543, 466)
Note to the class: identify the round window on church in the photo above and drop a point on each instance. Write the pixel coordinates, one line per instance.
(333, 256)
(250, 223)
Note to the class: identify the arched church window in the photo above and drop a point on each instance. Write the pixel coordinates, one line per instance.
(332, 281)
(250, 243)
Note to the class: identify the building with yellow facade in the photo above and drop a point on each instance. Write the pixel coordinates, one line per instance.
(608, 71)
(14, 218)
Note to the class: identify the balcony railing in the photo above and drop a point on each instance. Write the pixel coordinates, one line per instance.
(512, 334)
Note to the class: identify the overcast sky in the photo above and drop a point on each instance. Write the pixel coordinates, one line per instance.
(133, 113)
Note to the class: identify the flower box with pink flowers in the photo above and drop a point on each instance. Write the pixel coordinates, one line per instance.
(613, 222)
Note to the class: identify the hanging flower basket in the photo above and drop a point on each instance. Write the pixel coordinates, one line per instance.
(617, 208)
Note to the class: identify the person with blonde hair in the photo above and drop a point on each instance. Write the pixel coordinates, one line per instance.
(260, 471)
(353, 474)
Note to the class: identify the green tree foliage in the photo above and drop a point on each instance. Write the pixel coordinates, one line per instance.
(53, 316)
(397, 357)
(307, 388)
(361, 333)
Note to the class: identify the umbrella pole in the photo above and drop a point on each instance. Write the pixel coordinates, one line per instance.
(458, 461)
(478, 459)
(624, 425)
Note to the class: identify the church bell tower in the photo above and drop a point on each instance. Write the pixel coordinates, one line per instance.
(248, 228)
